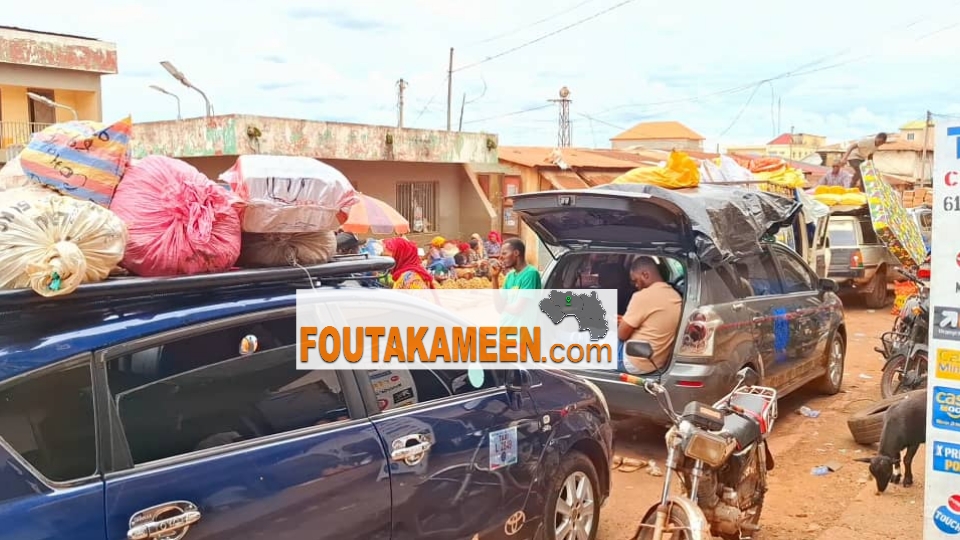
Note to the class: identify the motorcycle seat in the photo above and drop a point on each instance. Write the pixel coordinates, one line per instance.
(743, 429)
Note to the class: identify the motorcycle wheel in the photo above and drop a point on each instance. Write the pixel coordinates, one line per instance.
(678, 518)
(891, 382)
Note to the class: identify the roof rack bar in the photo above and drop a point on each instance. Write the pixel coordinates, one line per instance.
(340, 267)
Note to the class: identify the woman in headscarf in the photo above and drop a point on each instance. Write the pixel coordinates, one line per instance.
(408, 272)
(492, 245)
(466, 256)
(477, 244)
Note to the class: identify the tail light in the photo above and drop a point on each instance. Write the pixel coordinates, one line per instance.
(699, 334)
(856, 259)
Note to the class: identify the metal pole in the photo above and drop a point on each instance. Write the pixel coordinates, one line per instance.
(401, 86)
(923, 155)
(463, 104)
(449, 88)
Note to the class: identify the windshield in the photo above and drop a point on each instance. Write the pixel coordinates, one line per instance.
(842, 233)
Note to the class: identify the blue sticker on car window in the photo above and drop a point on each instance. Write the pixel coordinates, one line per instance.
(503, 448)
(475, 376)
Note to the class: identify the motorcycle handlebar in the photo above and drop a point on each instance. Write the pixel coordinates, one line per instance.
(910, 276)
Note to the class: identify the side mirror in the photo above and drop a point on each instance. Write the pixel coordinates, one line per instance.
(639, 349)
(748, 376)
(829, 285)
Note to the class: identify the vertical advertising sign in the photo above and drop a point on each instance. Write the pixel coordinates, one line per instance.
(942, 493)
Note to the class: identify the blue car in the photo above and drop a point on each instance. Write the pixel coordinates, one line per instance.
(173, 408)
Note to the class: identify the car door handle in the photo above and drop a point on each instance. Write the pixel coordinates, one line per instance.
(145, 525)
(410, 449)
(738, 306)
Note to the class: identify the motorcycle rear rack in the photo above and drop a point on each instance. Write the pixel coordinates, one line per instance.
(769, 395)
(889, 341)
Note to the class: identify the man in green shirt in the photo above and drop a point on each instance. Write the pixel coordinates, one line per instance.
(515, 307)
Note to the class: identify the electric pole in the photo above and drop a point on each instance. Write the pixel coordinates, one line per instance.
(449, 88)
(401, 86)
(564, 135)
(925, 173)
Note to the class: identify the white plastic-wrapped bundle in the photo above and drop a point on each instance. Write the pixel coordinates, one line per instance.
(12, 175)
(287, 249)
(289, 194)
(53, 244)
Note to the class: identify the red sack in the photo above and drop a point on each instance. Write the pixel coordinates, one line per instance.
(180, 221)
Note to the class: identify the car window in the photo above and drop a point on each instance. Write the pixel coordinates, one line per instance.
(842, 233)
(925, 219)
(794, 275)
(868, 233)
(404, 387)
(396, 388)
(49, 421)
(221, 387)
(719, 286)
(760, 275)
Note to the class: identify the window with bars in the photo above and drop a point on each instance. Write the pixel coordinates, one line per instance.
(417, 201)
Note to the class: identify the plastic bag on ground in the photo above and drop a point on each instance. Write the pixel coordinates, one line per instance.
(289, 194)
(180, 221)
(291, 249)
(680, 171)
(82, 159)
(52, 244)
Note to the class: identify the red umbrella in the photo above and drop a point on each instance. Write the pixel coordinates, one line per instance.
(374, 216)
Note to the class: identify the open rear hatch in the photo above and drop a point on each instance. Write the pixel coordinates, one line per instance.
(582, 218)
(714, 221)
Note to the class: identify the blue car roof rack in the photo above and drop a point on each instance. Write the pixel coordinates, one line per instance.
(340, 268)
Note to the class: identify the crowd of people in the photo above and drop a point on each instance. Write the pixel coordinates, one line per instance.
(652, 313)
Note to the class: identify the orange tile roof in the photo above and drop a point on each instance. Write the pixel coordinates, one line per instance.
(785, 138)
(645, 131)
(540, 156)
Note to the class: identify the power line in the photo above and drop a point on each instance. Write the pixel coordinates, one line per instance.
(544, 36)
(531, 25)
(740, 113)
(514, 113)
(430, 101)
(793, 73)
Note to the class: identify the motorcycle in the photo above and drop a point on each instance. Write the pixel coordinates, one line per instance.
(905, 350)
(721, 456)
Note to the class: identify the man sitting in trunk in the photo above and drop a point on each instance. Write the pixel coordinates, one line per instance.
(653, 315)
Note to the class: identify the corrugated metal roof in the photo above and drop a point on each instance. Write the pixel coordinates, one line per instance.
(564, 180)
(658, 130)
(40, 32)
(541, 156)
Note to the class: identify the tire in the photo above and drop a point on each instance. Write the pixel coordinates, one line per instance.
(866, 425)
(832, 381)
(576, 471)
(678, 518)
(890, 381)
(876, 298)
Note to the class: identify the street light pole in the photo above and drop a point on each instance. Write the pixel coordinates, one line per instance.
(176, 74)
(51, 103)
(171, 94)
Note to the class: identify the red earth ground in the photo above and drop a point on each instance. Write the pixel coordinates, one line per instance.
(799, 506)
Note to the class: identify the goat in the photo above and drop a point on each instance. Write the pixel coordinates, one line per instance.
(904, 426)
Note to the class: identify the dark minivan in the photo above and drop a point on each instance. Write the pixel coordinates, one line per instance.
(748, 301)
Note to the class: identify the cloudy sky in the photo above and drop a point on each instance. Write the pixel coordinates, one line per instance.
(737, 72)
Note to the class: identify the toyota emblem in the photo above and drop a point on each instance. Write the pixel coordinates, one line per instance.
(514, 523)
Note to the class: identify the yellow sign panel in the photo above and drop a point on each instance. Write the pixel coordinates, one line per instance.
(948, 364)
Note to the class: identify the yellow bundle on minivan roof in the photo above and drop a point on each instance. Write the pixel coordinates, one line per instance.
(681, 171)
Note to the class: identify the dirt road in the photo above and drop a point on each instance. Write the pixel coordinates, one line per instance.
(800, 506)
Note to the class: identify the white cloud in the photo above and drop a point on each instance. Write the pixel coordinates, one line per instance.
(340, 60)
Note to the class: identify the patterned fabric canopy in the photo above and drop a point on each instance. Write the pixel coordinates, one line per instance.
(374, 216)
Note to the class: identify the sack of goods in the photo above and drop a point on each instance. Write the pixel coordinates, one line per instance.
(303, 249)
(180, 221)
(52, 244)
(12, 175)
(289, 194)
(82, 159)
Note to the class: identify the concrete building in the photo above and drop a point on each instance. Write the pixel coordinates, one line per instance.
(793, 146)
(431, 177)
(659, 136)
(914, 132)
(66, 69)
